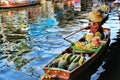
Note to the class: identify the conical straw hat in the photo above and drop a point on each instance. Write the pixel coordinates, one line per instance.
(95, 16)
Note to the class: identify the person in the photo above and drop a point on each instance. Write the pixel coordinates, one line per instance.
(95, 17)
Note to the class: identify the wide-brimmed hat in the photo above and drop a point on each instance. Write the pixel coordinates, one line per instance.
(95, 16)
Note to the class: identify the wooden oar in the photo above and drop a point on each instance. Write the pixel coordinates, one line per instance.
(65, 38)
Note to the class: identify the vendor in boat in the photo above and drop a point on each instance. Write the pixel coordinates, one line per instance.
(95, 17)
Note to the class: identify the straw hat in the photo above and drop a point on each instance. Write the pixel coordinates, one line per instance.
(95, 16)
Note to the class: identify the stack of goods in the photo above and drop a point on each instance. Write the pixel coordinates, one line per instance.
(65, 61)
(92, 43)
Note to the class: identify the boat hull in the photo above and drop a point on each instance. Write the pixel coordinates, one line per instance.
(63, 74)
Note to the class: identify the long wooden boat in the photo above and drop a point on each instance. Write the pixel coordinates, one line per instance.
(15, 5)
(71, 62)
(66, 66)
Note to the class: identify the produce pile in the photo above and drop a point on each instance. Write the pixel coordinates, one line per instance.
(67, 61)
(91, 43)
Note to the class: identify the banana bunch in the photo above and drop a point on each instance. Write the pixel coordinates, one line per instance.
(79, 44)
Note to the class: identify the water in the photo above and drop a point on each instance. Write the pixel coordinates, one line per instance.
(29, 42)
(42, 38)
(96, 75)
(112, 61)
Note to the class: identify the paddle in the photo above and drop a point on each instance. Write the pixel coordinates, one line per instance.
(65, 38)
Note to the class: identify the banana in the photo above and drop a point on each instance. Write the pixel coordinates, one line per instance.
(79, 44)
(76, 59)
(73, 57)
(67, 57)
(63, 56)
(81, 60)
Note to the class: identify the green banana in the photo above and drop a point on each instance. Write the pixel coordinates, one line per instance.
(81, 60)
(76, 59)
(72, 58)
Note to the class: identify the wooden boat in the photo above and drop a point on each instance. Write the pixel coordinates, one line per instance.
(15, 5)
(61, 70)
(58, 69)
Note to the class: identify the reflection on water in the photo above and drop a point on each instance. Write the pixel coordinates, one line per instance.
(96, 75)
(30, 37)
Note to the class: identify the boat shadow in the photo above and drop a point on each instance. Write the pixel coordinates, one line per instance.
(112, 65)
